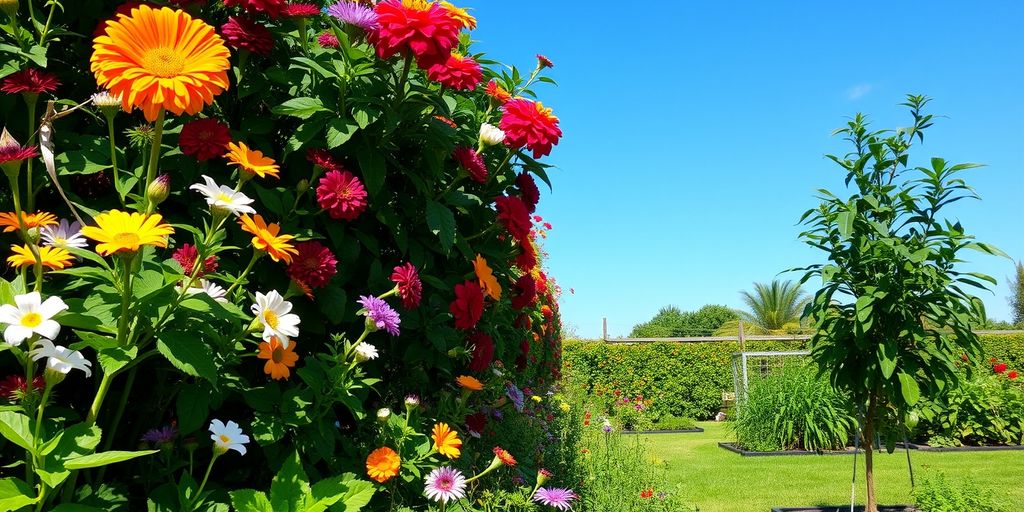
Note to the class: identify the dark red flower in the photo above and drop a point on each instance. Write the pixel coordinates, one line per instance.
(186, 257)
(999, 367)
(410, 289)
(245, 34)
(470, 160)
(547, 312)
(14, 387)
(526, 260)
(523, 357)
(271, 7)
(204, 139)
(527, 123)
(300, 10)
(475, 423)
(528, 191)
(324, 159)
(512, 214)
(424, 29)
(328, 40)
(314, 265)
(526, 292)
(30, 80)
(342, 195)
(468, 306)
(483, 351)
(544, 62)
(458, 72)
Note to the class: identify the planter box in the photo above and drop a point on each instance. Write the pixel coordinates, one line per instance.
(732, 447)
(926, 448)
(846, 508)
(693, 430)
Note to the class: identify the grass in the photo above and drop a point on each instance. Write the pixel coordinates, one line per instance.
(720, 481)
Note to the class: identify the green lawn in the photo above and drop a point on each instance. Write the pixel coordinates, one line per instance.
(720, 481)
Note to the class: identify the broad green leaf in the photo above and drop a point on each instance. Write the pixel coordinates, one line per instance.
(300, 107)
(113, 359)
(358, 495)
(104, 458)
(441, 222)
(192, 406)
(887, 355)
(845, 222)
(188, 353)
(289, 486)
(15, 493)
(249, 500)
(339, 131)
(16, 428)
(909, 388)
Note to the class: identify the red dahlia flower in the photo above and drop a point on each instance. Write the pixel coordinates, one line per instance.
(475, 423)
(483, 351)
(512, 214)
(300, 10)
(544, 62)
(526, 260)
(470, 160)
(425, 29)
(528, 191)
(186, 256)
(410, 289)
(314, 265)
(204, 139)
(999, 368)
(468, 306)
(458, 72)
(342, 195)
(527, 123)
(272, 8)
(498, 93)
(526, 292)
(245, 34)
(30, 81)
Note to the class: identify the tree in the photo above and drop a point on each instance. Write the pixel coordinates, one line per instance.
(774, 306)
(1017, 295)
(673, 322)
(893, 315)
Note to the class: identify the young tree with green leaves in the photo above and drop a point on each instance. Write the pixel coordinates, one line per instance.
(894, 313)
(1017, 295)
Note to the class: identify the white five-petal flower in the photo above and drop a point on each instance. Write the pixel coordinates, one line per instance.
(275, 314)
(61, 359)
(214, 290)
(65, 235)
(228, 437)
(31, 316)
(365, 352)
(222, 196)
(491, 135)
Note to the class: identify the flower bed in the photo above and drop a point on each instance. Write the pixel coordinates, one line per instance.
(284, 256)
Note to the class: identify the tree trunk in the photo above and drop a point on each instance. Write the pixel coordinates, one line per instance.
(869, 446)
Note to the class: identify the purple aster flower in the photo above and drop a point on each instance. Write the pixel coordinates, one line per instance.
(380, 313)
(354, 14)
(555, 497)
(515, 395)
(160, 435)
(445, 484)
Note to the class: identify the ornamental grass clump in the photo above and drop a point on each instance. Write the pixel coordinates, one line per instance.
(247, 248)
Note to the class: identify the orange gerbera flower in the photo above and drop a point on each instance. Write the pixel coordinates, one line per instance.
(118, 231)
(9, 220)
(488, 283)
(161, 58)
(251, 161)
(382, 464)
(470, 383)
(446, 441)
(504, 456)
(279, 358)
(51, 257)
(265, 237)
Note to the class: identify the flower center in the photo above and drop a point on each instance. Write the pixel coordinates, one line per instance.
(224, 198)
(225, 439)
(270, 318)
(130, 240)
(277, 355)
(31, 320)
(163, 62)
(445, 484)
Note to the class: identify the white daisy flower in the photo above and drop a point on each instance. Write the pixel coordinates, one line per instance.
(224, 197)
(274, 313)
(31, 316)
(60, 359)
(214, 290)
(365, 352)
(228, 437)
(65, 235)
(491, 135)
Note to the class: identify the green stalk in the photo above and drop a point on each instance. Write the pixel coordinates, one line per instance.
(121, 405)
(238, 281)
(126, 295)
(154, 156)
(113, 157)
(49, 19)
(31, 141)
(191, 503)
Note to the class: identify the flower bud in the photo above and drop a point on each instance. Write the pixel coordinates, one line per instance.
(542, 476)
(9, 6)
(158, 191)
(383, 414)
(108, 104)
(491, 135)
(302, 186)
(412, 401)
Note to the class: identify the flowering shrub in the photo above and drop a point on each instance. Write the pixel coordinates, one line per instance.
(270, 222)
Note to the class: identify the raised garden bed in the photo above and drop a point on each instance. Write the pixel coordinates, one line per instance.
(733, 447)
(927, 448)
(846, 508)
(693, 430)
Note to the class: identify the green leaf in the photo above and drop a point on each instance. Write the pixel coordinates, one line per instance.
(441, 222)
(339, 131)
(372, 165)
(74, 441)
(358, 494)
(249, 500)
(188, 353)
(192, 406)
(909, 388)
(113, 359)
(16, 428)
(845, 222)
(15, 493)
(104, 458)
(300, 107)
(289, 486)
(887, 358)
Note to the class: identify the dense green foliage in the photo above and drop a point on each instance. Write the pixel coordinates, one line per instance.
(673, 322)
(793, 408)
(935, 493)
(986, 409)
(1017, 294)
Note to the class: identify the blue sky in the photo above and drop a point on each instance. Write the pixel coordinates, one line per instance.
(695, 133)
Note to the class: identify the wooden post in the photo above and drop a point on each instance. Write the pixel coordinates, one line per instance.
(743, 339)
(604, 329)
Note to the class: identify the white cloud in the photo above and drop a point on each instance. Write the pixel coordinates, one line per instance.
(858, 91)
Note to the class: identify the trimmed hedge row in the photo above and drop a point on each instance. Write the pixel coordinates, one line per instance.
(687, 379)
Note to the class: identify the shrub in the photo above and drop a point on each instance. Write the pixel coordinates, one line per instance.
(986, 409)
(672, 322)
(934, 493)
(793, 409)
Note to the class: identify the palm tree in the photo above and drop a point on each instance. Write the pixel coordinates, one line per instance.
(774, 307)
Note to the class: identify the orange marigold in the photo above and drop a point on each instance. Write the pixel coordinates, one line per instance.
(446, 441)
(382, 464)
(470, 383)
(265, 238)
(251, 161)
(279, 358)
(488, 283)
(9, 220)
(160, 58)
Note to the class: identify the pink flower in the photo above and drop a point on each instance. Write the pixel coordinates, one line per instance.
(342, 195)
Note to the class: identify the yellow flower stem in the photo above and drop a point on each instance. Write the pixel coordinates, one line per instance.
(154, 155)
(252, 262)
(31, 199)
(191, 503)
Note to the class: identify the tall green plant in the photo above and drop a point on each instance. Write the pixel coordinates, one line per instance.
(893, 312)
(774, 306)
(1017, 295)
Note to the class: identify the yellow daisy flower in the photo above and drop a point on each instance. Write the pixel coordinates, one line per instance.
(446, 441)
(118, 231)
(51, 257)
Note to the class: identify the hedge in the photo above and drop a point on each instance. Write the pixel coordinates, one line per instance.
(687, 379)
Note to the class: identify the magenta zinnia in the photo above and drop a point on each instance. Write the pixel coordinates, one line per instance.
(555, 497)
(300, 10)
(245, 34)
(445, 484)
(342, 195)
(470, 160)
(314, 265)
(513, 214)
(407, 279)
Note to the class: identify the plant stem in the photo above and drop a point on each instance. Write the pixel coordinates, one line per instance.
(121, 405)
(869, 445)
(238, 281)
(191, 503)
(126, 295)
(46, 28)
(400, 91)
(31, 199)
(113, 158)
(154, 157)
